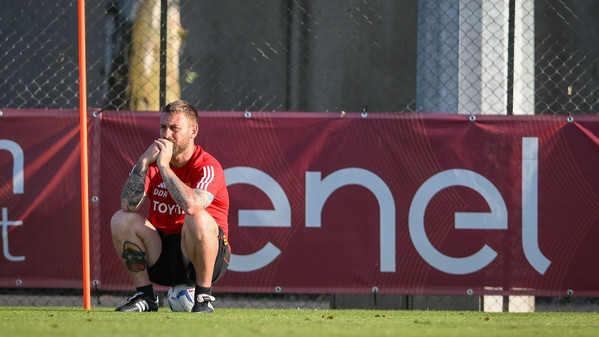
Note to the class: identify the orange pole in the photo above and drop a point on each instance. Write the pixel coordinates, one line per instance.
(84, 167)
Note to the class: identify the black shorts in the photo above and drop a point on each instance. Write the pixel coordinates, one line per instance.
(170, 270)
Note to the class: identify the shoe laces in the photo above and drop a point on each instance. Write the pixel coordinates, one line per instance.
(201, 298)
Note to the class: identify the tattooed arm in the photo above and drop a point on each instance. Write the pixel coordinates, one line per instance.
(191, 200)
(134, 189)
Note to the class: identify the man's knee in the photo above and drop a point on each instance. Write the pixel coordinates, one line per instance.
(202, 222)
(122, 220)
(117, 221)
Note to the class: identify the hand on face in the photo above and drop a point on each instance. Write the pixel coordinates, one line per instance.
(151, 153)
(165, 147)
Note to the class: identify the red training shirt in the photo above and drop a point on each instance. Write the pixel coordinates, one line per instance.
(203, 172)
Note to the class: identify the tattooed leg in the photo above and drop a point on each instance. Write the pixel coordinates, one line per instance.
(135, 257)
(137, 244)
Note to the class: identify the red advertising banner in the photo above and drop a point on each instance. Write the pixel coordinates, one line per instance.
(323, 203)
(40, 199)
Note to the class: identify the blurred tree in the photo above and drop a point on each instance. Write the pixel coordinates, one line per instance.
(134, 50)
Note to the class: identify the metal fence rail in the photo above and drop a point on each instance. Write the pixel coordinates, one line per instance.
(73, 297)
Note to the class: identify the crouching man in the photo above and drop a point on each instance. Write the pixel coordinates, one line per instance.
(184, 238)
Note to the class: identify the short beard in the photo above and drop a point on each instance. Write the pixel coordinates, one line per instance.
(177, 148)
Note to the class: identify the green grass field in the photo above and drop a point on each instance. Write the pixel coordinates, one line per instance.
(64, 321)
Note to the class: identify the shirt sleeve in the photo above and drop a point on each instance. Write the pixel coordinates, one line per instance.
(211, 178)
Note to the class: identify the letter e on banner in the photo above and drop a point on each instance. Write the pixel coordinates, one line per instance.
(496, 219)
(279, 217)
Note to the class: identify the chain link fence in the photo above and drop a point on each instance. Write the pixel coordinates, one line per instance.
(466, 56)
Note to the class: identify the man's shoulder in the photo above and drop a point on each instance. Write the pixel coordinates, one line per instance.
(204, 158)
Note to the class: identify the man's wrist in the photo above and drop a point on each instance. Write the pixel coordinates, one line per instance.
(164, 170)
(142, 163)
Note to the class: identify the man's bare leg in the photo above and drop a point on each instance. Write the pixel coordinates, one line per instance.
(138, 245)
(199, 242)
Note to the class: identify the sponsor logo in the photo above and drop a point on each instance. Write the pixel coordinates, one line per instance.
(165, 208)
(18, 179)
(161, 191)
(319, 189)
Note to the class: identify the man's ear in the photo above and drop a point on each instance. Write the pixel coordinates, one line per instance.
(194, 130)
